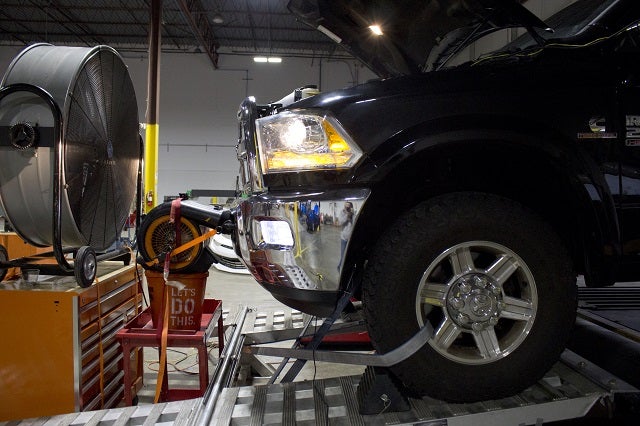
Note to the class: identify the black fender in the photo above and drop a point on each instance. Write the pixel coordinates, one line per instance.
(545, 171)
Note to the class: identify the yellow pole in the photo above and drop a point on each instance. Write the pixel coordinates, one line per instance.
(153, 110)
(151, 167)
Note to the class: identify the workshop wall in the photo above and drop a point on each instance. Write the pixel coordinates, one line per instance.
(198, 125)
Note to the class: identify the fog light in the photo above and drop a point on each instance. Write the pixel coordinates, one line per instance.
(271, 234)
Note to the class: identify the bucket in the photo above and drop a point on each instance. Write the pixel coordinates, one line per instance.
(185, 303)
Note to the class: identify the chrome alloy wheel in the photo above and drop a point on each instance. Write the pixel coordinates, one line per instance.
(480, 300)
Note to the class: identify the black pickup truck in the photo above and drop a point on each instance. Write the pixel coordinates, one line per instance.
(465, 190)
(480, 182)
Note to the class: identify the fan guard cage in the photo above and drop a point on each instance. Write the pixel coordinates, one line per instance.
(98, 154)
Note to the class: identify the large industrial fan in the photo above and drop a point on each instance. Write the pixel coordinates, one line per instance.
(70, 151)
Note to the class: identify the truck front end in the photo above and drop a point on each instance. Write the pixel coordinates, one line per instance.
(293, 229)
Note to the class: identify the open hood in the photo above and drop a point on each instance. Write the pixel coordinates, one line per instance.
(417, 35)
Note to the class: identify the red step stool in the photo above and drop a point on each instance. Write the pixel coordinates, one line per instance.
(139, 332)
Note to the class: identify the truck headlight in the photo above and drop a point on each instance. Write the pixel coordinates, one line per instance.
(297, 140)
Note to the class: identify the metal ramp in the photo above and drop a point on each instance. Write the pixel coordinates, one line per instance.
(569, 390)
(170, 413)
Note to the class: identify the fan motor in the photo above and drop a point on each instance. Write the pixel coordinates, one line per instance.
(22, 136)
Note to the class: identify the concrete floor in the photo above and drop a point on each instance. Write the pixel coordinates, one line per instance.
(235, 291)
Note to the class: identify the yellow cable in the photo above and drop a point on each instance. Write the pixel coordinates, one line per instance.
(538, 51)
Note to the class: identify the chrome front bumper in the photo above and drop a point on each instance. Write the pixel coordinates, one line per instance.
(294, 241)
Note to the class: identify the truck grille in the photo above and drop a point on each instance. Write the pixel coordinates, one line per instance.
(228, 262)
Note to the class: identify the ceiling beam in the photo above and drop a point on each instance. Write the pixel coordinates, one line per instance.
(252, 26)
(13, 34)
(72, 19)
(197, 17)
(134, 23)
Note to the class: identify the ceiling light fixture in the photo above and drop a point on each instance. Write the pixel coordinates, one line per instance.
(217, 19)
(376, 29)
(328, 33)
(270, 59)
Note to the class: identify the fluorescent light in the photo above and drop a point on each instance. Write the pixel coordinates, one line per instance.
(271, 59)
(375, 29)
(328, 33)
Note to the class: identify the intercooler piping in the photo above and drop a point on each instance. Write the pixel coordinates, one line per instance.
(224, 370)
(207, 215)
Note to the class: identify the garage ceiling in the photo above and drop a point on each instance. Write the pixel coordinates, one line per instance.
(213, 26)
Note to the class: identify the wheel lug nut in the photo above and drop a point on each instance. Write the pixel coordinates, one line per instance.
(477, 326)
(495, 290)
(493, 320)
(465, 288)
(457, 303)
(463, 318)
(480, 281)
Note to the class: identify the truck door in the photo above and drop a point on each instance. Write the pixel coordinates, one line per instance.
(629, 213)
(627, 59)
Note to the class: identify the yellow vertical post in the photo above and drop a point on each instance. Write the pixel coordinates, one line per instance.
(151, 167)
(153, 108)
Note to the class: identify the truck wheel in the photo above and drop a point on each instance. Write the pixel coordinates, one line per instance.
(489, 278)
(157, 236)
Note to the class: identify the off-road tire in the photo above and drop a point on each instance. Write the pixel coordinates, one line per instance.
(412, 245)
